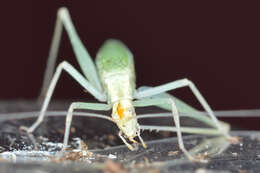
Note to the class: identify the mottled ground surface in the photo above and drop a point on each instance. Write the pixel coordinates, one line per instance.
(99, 143)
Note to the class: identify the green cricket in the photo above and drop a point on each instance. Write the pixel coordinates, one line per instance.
(111, 79)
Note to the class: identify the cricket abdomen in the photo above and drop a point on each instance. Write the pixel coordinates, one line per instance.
(115, 66)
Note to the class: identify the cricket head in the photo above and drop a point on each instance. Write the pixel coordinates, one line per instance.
(125, 118)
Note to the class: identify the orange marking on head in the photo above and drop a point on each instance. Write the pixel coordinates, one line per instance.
(120, 111)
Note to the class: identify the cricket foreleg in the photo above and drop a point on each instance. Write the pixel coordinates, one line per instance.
(80, 105)
(77, 76)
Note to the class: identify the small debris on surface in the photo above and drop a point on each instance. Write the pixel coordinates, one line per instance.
(81, 154)
(8, 156)
(173, 153)
(73, 130)
(242, 171)
(234, 154)
(74, 156)
(111, 137)
(235, 139)
(114, 167)
(3, 160)
(146, 161)
(202, 156)
(165, 134)
(2, 149)
(112, 156)
(152, 170)
(81, 145)
(202, 170)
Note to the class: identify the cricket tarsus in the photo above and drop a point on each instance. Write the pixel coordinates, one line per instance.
(111, 79)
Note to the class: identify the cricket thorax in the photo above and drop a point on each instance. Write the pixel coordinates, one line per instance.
(118, 86)
(125, 117)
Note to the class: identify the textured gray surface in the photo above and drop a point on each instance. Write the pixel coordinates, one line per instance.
(161, 154)
(244, 156)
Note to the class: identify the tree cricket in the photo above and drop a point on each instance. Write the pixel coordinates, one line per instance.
(111, 79)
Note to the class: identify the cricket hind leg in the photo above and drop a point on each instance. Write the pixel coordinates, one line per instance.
(183, 108)
(179, 84)
(176, 118)
(190, 111)
(215, 145)
(84, 59)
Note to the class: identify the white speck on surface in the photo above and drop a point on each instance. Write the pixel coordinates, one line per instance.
(84, 153)
(234, 154)
(201, 170)
(112, 156)
(51, 144)
(78, 142)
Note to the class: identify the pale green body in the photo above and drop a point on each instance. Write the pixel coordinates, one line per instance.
(115, 65)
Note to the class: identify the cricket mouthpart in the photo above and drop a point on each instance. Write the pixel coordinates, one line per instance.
(124, 116)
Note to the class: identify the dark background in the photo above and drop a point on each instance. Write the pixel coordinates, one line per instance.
(216, 45)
